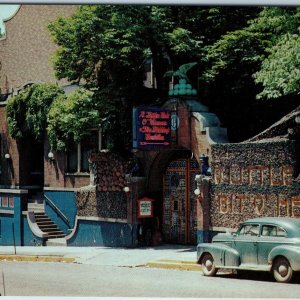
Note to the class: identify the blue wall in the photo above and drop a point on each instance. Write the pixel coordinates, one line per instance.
(11, 222)
(66, 202)
(98, 233)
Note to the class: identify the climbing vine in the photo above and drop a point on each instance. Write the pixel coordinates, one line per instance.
(26, 113)
(45, 109)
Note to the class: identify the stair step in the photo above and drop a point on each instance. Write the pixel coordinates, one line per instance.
(44, 221)
(48, 225)
(56, 242)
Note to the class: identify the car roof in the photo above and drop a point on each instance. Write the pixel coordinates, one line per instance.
(286, 222)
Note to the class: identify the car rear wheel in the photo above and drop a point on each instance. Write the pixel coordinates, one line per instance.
(282, 270)
(208, 265)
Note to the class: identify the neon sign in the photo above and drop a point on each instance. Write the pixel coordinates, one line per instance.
(153, 126)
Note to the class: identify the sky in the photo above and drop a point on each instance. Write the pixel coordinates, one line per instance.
(5, 12)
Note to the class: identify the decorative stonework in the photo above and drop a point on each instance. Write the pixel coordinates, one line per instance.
(254, 179)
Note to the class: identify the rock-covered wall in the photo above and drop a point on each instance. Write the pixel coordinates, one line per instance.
(105, 197)
(92, 203)
(254, 179)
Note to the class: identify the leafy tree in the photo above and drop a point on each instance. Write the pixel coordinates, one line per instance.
(71, 118)
(105, 48)
(255, 61)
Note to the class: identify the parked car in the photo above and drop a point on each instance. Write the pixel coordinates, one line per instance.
(262, 244)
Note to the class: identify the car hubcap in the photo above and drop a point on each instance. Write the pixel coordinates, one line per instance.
(208, 264)
(282, 270)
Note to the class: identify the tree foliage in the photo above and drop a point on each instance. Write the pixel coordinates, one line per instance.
(71, 118)
(105, 48)
(264, 51)
(26, 112)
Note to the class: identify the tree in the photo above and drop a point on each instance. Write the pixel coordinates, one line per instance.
(257, 61)
(105, 47)
(70, 119)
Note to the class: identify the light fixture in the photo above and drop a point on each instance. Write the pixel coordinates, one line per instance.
(197, 192)
(126, 189)
(297, 119)
(7, 156)
(51, 155)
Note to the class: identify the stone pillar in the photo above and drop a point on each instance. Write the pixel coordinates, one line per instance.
(203, 208)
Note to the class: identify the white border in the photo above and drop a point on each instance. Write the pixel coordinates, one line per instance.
(164, 2)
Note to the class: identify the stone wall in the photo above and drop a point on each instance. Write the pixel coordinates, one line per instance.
(91, 203)
(254, 179)
(107, 199)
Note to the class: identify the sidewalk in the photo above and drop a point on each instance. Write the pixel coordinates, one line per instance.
(164, 256)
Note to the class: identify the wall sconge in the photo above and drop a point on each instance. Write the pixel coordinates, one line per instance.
(7, 156)
(126, 189)
(197, 192)
(297, 119)
(51, 156)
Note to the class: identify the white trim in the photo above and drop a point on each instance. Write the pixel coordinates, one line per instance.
(82, 174)
(110, 220)
(13, 191)
(60, 189)
(7, 211)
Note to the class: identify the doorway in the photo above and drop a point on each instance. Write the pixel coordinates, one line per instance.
(179, 202)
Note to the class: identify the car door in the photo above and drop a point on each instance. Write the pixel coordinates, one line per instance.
(271, 236)
(245, 242)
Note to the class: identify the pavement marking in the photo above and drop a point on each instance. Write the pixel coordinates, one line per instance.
(37, 258)
(174, 264)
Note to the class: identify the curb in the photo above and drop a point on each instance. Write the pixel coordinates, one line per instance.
(37, 258)
(174, 264)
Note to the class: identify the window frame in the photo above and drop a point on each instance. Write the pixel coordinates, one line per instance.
(79, 155)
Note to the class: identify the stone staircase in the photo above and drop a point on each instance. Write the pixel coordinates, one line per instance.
(48, 226)
(54, 235)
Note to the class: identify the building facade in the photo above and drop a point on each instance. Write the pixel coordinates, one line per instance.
(102, 199)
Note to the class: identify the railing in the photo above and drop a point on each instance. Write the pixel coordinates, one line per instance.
(58, 211)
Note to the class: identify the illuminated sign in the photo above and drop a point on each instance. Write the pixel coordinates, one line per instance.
(153, 128)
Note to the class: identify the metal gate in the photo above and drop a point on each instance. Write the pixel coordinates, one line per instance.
(179, 203)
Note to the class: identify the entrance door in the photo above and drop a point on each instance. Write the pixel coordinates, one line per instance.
(179, 203)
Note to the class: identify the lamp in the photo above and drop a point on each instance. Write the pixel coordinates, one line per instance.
(51, 156)
(7, 156)
(197, 192)
(297, 119)
(126, 189)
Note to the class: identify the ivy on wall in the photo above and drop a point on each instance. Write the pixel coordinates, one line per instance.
(44, 108)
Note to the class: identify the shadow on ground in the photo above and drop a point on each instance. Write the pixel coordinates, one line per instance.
(252, 275)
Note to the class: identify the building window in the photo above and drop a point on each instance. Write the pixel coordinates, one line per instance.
(77, 156)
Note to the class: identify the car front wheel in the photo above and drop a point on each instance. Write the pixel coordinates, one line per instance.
(282, 270)
(208, 265)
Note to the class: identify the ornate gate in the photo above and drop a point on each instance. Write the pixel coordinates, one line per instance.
(179, 203)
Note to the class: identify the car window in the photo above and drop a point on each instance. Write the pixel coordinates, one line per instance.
(272, 230)
(249, 229)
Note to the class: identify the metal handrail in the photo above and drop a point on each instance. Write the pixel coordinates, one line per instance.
(58, 211)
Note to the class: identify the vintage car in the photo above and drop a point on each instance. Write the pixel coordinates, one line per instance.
(262, 244)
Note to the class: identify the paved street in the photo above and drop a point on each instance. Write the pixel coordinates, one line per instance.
(105, 272)
(69, 279)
